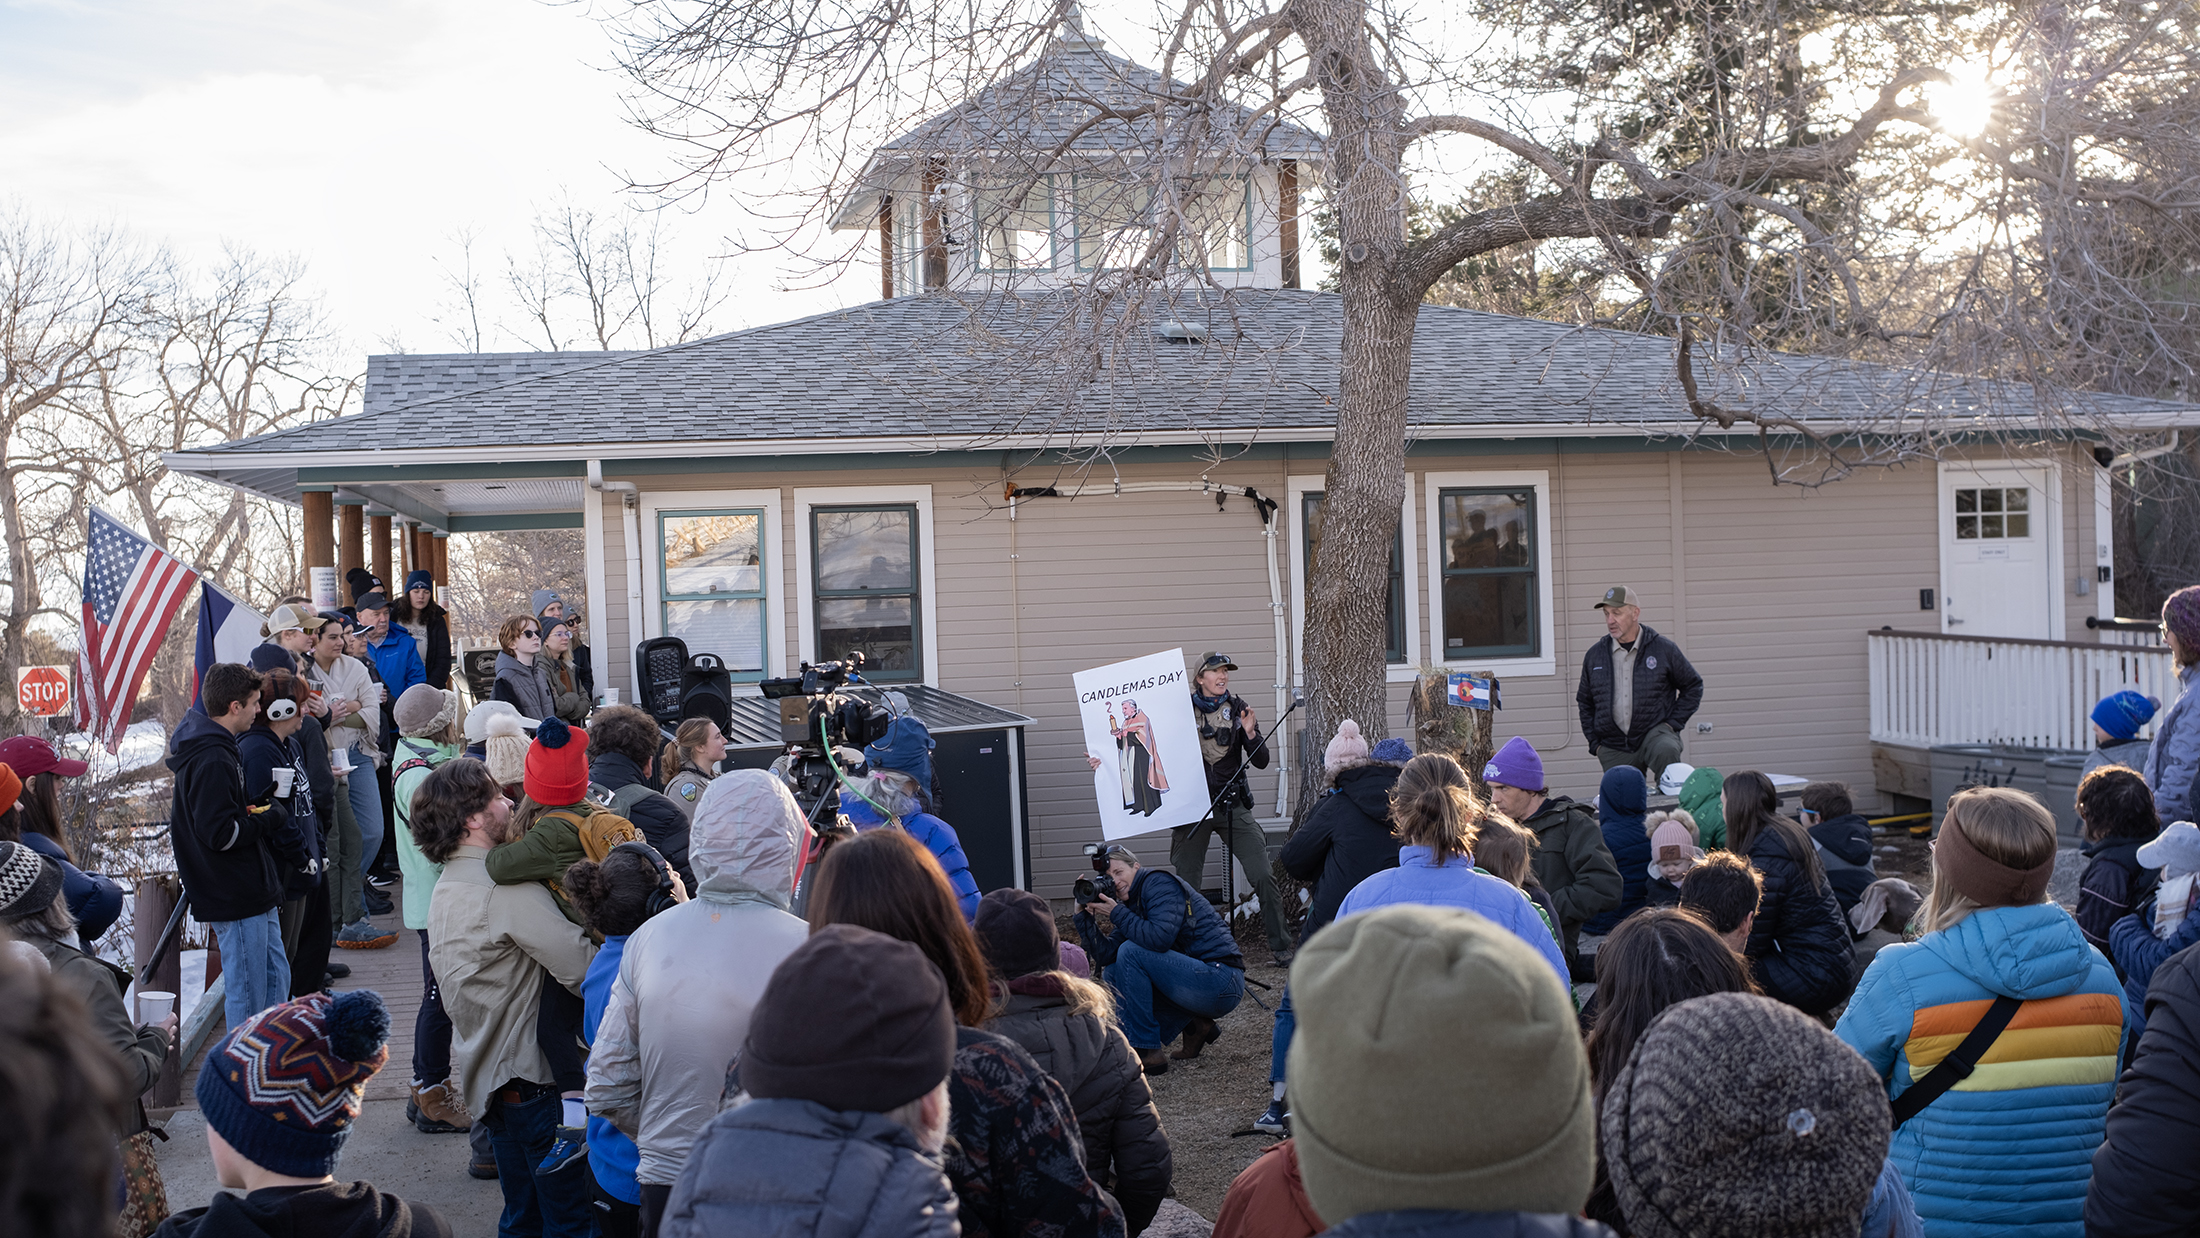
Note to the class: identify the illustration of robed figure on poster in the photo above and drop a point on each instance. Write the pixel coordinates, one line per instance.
(1139, 730)
(1137, 760)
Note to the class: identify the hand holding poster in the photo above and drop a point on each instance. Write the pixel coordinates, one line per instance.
(1143, 744)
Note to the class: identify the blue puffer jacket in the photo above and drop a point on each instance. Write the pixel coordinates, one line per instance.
(2010, 1149)
(938, 838)
(1621, 801)
(1162, 913)
(2138, 952)
(2173, 759)
(796, 1167)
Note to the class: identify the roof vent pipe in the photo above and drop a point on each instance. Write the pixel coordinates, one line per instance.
(1175, 332)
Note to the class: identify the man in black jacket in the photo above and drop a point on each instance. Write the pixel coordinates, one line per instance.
(1843, 838)
(1230, 742)
(623, 743)
(2146, 1181)
(222, 844)
(1637, 690)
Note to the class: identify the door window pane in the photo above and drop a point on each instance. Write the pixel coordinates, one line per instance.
(1993, 512)
(864, 560)
(711, 565)
(1490, 561)
(1394, 617)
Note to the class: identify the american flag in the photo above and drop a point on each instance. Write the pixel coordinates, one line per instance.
(131, 591)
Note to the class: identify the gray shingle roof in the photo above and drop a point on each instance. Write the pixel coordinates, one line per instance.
(956, 373)
(396, 379)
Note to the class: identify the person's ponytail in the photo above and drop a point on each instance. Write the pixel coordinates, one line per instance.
(1434, 806)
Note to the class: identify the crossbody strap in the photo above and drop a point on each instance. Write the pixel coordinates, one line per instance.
(1958, 1065)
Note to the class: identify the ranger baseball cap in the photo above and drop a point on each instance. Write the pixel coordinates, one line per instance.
(1216, 662)
(1617, 595)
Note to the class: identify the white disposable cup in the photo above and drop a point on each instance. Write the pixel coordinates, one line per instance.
(154, 1005)
(610, 696)
(284, 776)
(339, 761)
(384, 689)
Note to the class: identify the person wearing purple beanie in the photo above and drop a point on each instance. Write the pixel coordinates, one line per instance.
(1571, 860)
(2174, 758)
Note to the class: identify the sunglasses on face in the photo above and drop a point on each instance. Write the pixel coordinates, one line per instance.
(280, 708)
(530, 634)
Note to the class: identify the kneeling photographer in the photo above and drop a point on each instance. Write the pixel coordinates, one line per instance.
(1163, 950)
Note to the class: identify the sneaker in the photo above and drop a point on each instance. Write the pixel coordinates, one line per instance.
(378, 903)
(338, 971)
(571, 1145)
(431, 1111)
(364, 936)
(380, 881)
(1276, 1121)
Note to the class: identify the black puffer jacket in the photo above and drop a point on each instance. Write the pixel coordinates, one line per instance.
(2145, 1178)
(1125, 1148)
(1344, 841)
(1799, 949)
(1667, 689)
(659, 819)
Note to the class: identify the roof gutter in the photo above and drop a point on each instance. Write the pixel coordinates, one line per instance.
(630, 502)
(2151, 453)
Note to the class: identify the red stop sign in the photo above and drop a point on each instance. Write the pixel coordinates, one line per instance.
(43, 691)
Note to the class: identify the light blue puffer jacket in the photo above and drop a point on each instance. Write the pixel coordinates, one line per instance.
(2173, 759)
(2010, 1150)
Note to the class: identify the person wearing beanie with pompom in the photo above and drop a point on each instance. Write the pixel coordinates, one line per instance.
(1344, 841)
(429, 734)
(2173, 758)
(561, 825)
(280, 1094)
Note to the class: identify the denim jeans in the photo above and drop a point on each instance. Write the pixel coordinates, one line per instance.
(255, 971)
(537, 1205)
(1159, 991)
(366, 806)
(1279, 1045)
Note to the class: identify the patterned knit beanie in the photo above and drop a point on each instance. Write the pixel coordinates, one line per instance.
(2182, 614)
(28, 881)
(1392, 751)
(557, 764)
(284, 1088)
(1349, 748)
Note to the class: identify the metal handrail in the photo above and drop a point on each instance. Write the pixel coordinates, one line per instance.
(168, 937)
(2122, 625)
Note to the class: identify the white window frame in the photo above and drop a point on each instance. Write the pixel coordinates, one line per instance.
(1433, 486)
(771, 536)
(1296, 489)
(805, 500)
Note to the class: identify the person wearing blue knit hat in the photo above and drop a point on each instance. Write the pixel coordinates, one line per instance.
(899, 792)
(2117, 721)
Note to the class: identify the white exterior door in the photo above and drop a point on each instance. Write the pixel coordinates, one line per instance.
(1999, 527)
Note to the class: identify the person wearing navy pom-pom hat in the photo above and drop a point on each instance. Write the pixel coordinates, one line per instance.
(280, 1094)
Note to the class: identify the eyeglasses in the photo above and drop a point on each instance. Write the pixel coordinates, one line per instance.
(529, 634)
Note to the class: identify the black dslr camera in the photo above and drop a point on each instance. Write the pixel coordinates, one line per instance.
(1089, 890)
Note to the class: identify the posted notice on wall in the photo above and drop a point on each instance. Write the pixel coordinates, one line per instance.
(1143, 743)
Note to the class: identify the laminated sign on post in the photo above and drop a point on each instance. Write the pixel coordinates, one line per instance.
(1143, 744)
(1470, 692)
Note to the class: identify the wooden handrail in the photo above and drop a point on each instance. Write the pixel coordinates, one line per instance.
(2009, 640)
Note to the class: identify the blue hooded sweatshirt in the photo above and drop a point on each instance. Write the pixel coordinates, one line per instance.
(938, 838)
(1621, 802)
(2009, 1150)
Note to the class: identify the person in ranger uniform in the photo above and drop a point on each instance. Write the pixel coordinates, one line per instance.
(1230, 740)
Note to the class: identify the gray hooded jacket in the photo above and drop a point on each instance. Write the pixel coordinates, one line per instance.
(692, 975)
(795, 1167)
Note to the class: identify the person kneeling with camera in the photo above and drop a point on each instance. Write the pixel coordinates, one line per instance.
(1163, 951)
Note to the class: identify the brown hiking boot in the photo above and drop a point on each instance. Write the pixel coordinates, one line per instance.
(1156, 1061)
(1198, 1034)
(437, 1110)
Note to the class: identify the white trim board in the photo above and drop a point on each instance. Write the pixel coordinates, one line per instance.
(928, 581)
(770, 537)
(1296, 489)
(1432, 487)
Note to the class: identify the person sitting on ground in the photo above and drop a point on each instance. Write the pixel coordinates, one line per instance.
(1737, 1116)
(1500, 1140)
(1068, 1026)
(1799, 946)
(622, 759)
(1016, 1159)
(280, 1095)
(1882, 918)
(1621, 803)
(567, 700)
(1843, 838)
(61, 1102)
(617, 896)
(2146, 1182)
(840, 1124)
(523, 680)
(690, 760)
(1501, 849)
(2115, 818)
(416, 613)
(899, 791)
(1166, 954)
(496, 948)
(427, 736)
(1673, 851)
(2144, 940)
(1698, 795)
(1725, 891)
(1345, 840)
(2041, 1097)
(1571, 860)
(30, 814)
(2117, 720)
(689, 979)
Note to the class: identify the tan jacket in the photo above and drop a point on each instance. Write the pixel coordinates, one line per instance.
(486, 943)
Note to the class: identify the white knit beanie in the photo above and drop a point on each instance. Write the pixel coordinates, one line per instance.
(1346, 750)
(505, 750)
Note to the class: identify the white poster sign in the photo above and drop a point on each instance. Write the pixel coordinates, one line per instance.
(322, 582)
(1143, 743)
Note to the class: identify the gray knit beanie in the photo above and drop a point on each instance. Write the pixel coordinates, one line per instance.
(1739, 1115)
(1438, 1064)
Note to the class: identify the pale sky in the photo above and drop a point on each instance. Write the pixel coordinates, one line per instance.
(356, 135)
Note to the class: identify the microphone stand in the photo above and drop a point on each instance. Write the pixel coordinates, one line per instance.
(1229, 875)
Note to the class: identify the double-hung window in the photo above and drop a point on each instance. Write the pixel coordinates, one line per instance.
(1394, 605)
(865, 587)
(713, 594)
(1490, 597)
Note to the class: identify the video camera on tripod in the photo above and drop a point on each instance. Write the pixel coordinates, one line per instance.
(828, 705)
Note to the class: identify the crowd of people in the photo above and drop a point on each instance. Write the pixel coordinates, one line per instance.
(662, 1004)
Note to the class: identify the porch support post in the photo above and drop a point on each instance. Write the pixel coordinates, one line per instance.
(351, 535)
(379, 545)
(320, 530)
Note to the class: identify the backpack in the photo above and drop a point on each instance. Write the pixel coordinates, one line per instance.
(600, 829)
(624, 800)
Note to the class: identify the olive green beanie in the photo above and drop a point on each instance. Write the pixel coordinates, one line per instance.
(1437, 1065)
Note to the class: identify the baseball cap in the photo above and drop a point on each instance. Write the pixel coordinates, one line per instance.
(290, 616)
(28, 755)
(1617, 595)
(1216, 661)
(373, 599)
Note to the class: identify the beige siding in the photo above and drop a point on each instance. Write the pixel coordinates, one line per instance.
(618, 639)
(1769, 590)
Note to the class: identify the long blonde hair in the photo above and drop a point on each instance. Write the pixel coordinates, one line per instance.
(1434, 806)
(679, 751)
(2001, 823)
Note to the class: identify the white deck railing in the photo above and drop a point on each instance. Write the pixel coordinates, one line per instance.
(1930, 689)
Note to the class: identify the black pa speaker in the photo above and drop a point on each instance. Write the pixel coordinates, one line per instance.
(706, 691)
(659, 665)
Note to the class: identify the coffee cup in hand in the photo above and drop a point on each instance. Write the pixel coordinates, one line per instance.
(154, 1005)
(284, 777)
